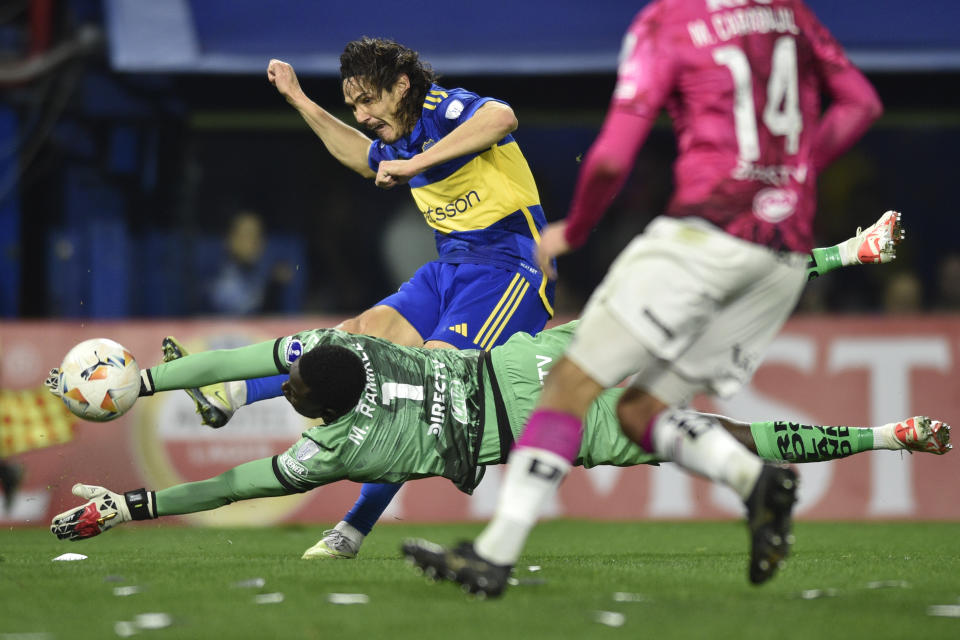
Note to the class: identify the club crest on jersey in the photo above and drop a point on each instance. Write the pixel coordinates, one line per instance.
(454, 109)
(774, 205)
(294, 351)
(429, 143)
(307, 450)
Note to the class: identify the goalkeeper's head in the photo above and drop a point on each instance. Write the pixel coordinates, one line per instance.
(386, 84)
(325, 382)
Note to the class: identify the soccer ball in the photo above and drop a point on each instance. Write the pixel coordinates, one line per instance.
(99, 380)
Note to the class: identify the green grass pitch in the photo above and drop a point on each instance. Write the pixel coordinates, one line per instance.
(684, 580)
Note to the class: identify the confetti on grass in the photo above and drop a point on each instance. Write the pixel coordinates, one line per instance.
(609, 618)
(348, 598)
(153, 620)
(623, 596)
(252, 583)
(888, 584)
(268, 598)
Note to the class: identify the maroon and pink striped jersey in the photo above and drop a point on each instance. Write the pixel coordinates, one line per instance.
(742, 81)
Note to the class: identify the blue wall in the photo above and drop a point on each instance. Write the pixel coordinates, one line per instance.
(494, 36)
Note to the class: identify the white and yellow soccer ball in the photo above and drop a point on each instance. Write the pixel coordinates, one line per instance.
(99, 380)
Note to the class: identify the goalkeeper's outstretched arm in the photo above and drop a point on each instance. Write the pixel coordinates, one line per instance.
(105, 509)
(210, 367)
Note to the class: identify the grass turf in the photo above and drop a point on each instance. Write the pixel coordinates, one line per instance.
(687, 580)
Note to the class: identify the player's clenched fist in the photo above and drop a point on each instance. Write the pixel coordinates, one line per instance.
(281, 75)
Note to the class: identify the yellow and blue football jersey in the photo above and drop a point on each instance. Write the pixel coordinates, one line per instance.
(484, 207)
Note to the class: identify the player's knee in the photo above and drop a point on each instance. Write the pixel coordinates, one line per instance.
(352, 325)
(369, 323)
(635, 409)
(383, 322)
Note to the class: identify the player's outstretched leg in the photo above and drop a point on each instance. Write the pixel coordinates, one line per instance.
(697, 442)
(874, 245)
(460, 564)
(344, 540)
(216, 403)
(795, 442)
(340, 543)
(769, 509)
(921, 433)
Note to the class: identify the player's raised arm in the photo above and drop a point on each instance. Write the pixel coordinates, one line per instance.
(645, 78)
(854, 104)
(488, 125)
(345, 143)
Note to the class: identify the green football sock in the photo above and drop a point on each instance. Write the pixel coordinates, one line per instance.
(823, 260)
(248, 480)
(795, 442)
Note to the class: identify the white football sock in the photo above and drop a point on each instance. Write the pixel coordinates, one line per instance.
(532, 478)
(699, 443)
(351, 532)
(885, 437)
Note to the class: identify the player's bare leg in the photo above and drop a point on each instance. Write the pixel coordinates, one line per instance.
(384, 322)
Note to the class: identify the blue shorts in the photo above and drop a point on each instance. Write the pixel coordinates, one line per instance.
(472, 306)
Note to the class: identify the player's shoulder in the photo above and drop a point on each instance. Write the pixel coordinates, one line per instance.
(661, 19)
(665, 12)
(289, 348)
(441, 103)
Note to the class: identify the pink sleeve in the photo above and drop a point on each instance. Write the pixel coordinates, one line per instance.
(854, 102)
(649, 55)
(604, 170)
(644, 80)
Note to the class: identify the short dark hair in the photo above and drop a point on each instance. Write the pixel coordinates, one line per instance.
(378, 63)
(336, 378)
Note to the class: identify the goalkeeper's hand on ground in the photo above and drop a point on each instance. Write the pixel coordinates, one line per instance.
(53, 382)
(104, 510)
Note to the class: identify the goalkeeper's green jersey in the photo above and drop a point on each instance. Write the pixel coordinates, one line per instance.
(423, 412)
(441, 412)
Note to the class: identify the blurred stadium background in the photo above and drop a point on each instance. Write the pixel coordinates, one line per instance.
(133, 133)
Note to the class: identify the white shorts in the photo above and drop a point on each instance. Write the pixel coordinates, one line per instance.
(686, 308)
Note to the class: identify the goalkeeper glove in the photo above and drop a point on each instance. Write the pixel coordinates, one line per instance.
(52, 382)
(104, 510)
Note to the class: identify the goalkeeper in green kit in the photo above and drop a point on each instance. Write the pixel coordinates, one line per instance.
(390, 414)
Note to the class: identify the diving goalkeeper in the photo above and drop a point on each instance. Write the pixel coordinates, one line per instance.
(388, 413)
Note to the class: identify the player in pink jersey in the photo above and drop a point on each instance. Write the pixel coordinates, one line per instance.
(691, 304)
